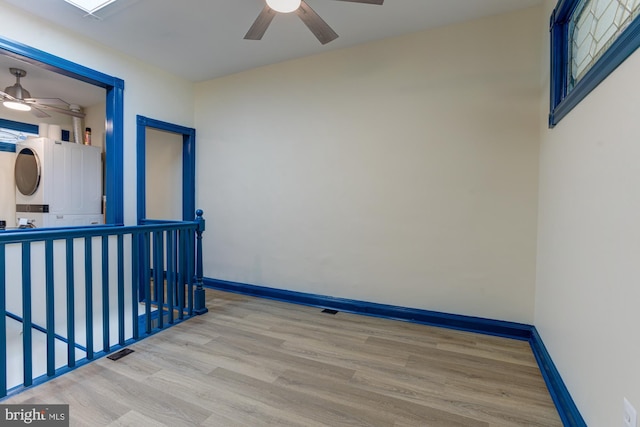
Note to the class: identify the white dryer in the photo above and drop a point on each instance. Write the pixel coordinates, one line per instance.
(57, 178)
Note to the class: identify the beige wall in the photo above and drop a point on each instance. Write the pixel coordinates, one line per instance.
(163, 157)
(402, 172)
(587, 294)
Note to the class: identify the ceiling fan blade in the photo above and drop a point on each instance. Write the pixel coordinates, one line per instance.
(59, 110)
(38, 112)
(47, 101)
(261, 24)
(5, 95)
(365, 1)
(318, 27)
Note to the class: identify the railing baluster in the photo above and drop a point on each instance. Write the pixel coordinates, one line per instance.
(170, 274)
(71, 318)
(27, 360)
(177, 252)
(182, 255)
(120, 289)
(50, 303)
(158, 275)
(135, 290)
(190, 271)
(147, 281)
(105, 294)
(88, 289)
(3, 321)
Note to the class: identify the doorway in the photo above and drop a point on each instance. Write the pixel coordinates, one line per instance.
(166, 170)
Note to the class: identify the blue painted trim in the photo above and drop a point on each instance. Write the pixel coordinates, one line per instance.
(88, 295)
(567, 409)
(19, 126)
(562, 99)
(452, 321)
(135, 276)
(188, 164)
(105, 295)
(121, 320)
(50, 310)
(39, 328)
(7, 148)
(71, 313)
(114, 131)
(27, 348)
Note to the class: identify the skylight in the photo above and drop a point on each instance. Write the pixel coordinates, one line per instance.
(90, 6)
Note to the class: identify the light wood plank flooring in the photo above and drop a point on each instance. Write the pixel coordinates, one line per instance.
(255, 362)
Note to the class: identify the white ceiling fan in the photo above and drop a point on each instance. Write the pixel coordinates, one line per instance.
(18, 98)
(323, 32)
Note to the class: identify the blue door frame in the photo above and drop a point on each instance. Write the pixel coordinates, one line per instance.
(188, 164)
(114, 115)
(188, 174)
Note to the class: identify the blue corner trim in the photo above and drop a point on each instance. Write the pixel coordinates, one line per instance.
(565, 405)
(567, 408)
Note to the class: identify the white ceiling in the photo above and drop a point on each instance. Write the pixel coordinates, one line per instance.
(203, 39)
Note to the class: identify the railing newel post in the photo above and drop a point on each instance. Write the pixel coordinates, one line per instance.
(199, 300)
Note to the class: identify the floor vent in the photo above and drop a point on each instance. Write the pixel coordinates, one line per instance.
(329, 311)
(120, 354)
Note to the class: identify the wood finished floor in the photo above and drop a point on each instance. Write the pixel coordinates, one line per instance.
(256, 362)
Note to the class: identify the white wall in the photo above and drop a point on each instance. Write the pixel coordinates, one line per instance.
(587, 295)
(148, 90)
(402, 172)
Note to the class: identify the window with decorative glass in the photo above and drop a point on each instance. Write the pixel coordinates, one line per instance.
(589, 39)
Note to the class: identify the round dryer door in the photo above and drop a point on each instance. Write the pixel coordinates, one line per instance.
(27, 171)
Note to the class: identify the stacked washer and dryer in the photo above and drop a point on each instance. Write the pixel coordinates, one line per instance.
(58, 183)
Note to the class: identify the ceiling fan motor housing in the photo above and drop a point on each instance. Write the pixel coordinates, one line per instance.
(17, 91)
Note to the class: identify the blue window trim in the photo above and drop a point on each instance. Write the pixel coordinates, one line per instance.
(7, 148)
(20, 127)
(562, 101)
(188, 164)
(114, 130)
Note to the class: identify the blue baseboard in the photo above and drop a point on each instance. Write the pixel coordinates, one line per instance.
(567, 408)
(565, 405)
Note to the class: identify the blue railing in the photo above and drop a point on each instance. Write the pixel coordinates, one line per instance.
(68, 296)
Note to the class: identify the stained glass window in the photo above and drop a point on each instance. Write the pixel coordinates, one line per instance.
(596, 24)
(589, 40)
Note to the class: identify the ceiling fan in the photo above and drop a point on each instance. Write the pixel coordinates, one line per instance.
(18, 98)
(312, 20)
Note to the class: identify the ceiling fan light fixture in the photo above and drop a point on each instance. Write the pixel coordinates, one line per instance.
(284, 6)
(14, 105)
